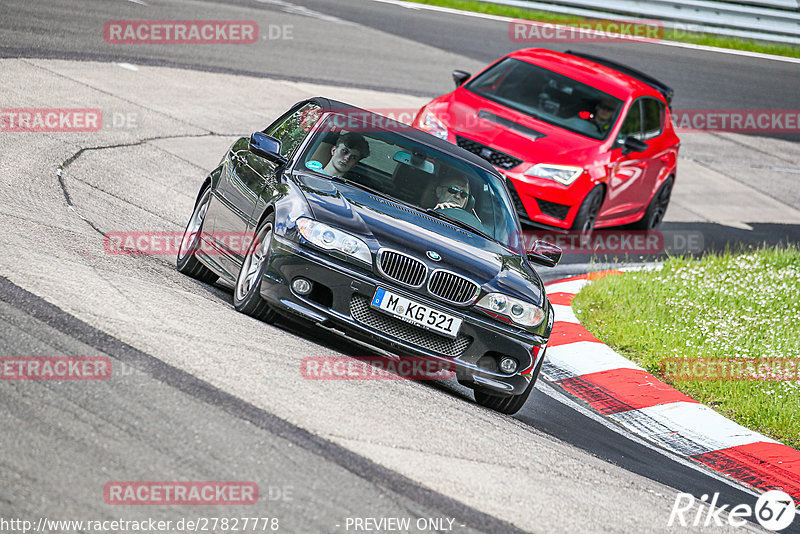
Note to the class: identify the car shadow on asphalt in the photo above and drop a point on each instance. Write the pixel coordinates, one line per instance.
(331, 340)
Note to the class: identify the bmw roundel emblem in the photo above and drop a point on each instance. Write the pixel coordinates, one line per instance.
(433, 255)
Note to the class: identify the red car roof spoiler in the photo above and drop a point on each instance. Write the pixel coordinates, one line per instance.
(633, 73)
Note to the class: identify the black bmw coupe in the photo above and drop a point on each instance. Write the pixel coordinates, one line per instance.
(384, 232)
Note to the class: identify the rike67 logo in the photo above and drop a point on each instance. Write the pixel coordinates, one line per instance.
(774, 510)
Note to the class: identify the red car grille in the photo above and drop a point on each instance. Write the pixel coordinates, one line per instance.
(559, 211)
(495, 157)
(518, 205)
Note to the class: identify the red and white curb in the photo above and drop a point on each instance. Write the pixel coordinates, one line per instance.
(617, 388)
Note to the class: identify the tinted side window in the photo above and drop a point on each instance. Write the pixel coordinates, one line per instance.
(653, 117)
(491, 79)
(633, 123)
(292, 130)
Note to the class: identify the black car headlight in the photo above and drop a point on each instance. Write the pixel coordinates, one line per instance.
(520, 312)
(330, 238)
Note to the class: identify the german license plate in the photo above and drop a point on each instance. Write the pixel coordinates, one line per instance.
(416, 313)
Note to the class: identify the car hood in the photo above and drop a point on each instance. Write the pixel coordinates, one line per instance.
(384, 223)
(512, 132)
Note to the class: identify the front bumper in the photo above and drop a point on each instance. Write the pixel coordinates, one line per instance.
(341, 300)
(545, 202)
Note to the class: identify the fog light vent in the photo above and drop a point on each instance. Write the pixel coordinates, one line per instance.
(301, 286)
(508, 365)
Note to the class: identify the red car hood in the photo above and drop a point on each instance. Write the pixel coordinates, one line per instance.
(460, 112)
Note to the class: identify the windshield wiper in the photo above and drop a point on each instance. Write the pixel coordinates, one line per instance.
(347, 181)
(460, 224)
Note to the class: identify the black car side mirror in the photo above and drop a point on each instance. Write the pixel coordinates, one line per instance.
(632, 144)
(267, 147)
(460, 76)
(544, 253)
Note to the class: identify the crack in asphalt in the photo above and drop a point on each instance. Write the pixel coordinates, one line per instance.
(70, 160)
(71, 205)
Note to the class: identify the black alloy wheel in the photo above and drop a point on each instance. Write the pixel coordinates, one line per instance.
(247, 291)
(657, 208)
(590, 208)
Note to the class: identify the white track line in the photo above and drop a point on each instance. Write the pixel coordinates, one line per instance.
(675, 44)
(303, 11)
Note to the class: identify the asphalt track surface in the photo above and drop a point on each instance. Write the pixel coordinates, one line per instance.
(324, 54)
(382, 46)
(170, 424)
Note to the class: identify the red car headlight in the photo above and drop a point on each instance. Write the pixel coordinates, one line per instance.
(431, 124)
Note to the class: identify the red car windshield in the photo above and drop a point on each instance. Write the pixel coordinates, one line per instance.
(549, 97)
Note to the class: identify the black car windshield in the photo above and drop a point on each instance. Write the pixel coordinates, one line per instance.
(548, 96)
(414, 173)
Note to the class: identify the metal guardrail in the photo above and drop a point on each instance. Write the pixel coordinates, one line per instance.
(778, 4)
(765, 20)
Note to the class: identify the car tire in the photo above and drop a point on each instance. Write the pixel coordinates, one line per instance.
(508, 404)
(247, 290)
(654, 214)
(187, 262)
(587, 213)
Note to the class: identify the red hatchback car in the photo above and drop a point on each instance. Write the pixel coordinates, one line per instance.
(583, 142)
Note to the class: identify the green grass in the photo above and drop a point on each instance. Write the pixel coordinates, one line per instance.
(718, 307)
(669, 34)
